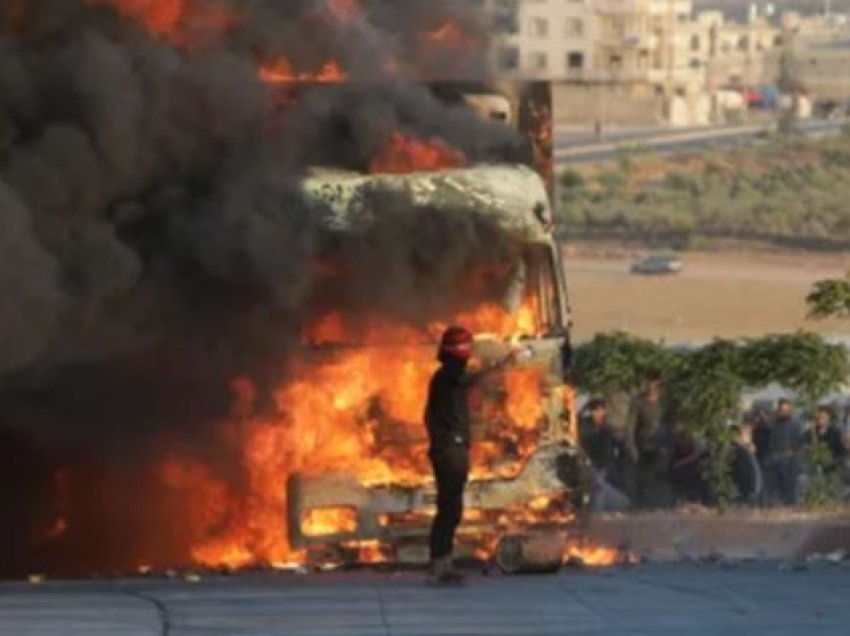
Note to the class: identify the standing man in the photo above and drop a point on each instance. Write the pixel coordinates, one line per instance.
(783, 463)
(605, 453)
(646, 448)
(447, 420)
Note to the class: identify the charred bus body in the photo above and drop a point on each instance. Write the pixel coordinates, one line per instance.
(546, 485)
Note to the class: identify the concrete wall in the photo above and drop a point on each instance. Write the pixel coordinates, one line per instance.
(823, 71)
(621, 104)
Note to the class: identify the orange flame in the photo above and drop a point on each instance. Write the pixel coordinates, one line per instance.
(450, 34)
(280, 72)
(494, 319)
(181, 23)
(329, 521)
(162, 18)
(406, 155)
(354, 409)
(592, 555)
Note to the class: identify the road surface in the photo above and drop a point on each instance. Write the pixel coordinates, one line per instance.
(657, 600)
(582, 147)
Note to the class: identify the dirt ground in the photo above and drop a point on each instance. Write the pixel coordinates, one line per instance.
(719, 294)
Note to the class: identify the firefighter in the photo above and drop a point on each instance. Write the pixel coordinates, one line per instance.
(447, 420)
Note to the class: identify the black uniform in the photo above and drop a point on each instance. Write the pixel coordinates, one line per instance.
(783, 461)
(447, 419)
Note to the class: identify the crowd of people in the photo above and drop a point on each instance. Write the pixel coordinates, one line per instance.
(643, 457)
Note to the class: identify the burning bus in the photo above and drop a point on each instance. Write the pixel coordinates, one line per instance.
(235, 239)
(528, 477)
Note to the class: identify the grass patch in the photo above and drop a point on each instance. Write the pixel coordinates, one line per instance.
(793, 189)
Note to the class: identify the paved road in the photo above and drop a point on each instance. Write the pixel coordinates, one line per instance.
(655, 600)
(571, 147)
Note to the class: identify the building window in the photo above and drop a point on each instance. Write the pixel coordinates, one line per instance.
(539, 27)
(505, 18)
(696, 45)
(574, 27)
(538, 61)
(615, 62)
(575, 60)
(508, 58)
(695, 63)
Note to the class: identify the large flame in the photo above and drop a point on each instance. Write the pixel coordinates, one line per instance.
(354, 408)
(406, 154)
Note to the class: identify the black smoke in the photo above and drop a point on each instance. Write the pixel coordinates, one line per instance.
(154, 243)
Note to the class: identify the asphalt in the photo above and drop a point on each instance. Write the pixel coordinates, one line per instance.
(658, 599)
(573, 147)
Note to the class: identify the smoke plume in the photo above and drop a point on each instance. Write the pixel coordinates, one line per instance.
(154, 243)
(146, 173)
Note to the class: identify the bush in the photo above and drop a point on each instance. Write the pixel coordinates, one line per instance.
(703, 386)
(682, 182)
(791, 188)
(822, 487)
(572, 179)
(830, 298)
(690, 242)
(617, 362)
(611, 180)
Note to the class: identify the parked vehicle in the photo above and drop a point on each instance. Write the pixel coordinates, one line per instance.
(658, 264)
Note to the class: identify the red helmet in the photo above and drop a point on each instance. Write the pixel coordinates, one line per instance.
(457, 342)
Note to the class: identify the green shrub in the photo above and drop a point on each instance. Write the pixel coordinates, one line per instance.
(702, 387)
(611, 180)
(572, 179)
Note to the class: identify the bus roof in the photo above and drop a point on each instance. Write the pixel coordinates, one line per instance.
(513, 196)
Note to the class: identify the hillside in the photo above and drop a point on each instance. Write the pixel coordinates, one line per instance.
(786, 191)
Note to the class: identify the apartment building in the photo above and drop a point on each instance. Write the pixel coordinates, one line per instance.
(733, 53)
(602, 40)
(617, 60)
(542, 39)
(656, 61)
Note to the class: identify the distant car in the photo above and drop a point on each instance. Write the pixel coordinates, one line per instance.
(658, 264)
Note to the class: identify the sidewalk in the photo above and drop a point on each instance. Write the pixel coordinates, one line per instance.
(661, 600)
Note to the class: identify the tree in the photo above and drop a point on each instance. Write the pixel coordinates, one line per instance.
(703, 386)
(617, 362)
(830, 299)
(802, 362)
(705, 392)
